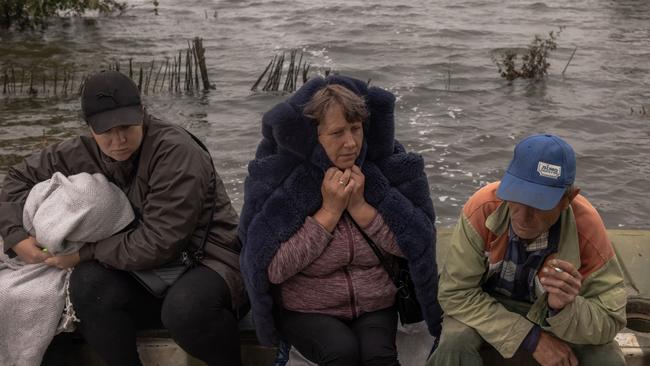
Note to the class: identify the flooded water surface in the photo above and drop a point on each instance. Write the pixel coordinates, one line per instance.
(435, 56)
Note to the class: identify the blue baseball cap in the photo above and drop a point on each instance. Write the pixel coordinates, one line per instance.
(540, 172)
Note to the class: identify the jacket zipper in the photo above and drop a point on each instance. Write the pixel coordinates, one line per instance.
(350, 292)
(348, 277)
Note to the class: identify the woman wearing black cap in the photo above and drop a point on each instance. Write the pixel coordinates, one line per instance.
(181, 206)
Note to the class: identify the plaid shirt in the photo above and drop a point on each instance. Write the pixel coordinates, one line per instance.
(538, 244)
(516, 277)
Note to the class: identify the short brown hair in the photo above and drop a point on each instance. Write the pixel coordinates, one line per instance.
(354, 106)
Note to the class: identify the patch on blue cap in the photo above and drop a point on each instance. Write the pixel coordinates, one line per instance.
(549, 170)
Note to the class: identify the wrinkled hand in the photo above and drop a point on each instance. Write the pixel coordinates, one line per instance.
(562, 286)
(336, 190)
(64, 261)
(358, 180)
(551, 351)
(29, 251)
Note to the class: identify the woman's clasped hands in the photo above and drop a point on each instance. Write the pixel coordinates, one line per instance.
(343, 190)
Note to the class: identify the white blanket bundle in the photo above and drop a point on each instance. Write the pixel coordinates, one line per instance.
(62, 213)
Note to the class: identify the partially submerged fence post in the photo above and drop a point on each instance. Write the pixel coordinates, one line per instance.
(162, 84)
(181, 75)
(140, 80)
(13, 78)
(31, 89)
(155, 82)
(56, 77)
(200, 56)
(178, 72)
(4, 84)
(275, 67)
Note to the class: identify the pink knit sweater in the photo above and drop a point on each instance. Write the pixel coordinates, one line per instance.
(335, 273)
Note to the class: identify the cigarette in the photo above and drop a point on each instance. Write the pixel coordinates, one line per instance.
(558, 269)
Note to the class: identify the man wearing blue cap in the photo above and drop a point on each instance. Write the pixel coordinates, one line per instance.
(530, 270)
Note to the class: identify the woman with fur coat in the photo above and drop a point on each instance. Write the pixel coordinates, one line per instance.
(327, 169)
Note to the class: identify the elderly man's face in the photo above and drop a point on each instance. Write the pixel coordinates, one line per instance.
(529, 223)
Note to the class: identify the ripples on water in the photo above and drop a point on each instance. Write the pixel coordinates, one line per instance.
(466, 132)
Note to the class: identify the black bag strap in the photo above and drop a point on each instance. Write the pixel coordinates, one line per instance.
(198, 254)
(377, 252)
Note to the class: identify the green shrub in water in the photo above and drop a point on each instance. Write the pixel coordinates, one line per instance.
(533, 65)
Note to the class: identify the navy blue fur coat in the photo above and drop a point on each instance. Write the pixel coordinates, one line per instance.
(283, 188)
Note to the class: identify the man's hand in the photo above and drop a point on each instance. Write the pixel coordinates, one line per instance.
(29, 251)
(562, 281)
(63, 261)
(551, 351)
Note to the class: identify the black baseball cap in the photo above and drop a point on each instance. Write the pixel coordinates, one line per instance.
(110, 99)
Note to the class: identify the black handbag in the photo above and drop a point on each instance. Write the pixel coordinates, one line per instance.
(158, 280)
(408, 306)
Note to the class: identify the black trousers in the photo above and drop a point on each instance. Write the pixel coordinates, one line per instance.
(368, 340)
(197, 311)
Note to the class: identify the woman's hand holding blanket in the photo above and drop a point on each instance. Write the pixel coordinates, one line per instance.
(362, 212)
(336, 190)
(29, 251)
(63, 261)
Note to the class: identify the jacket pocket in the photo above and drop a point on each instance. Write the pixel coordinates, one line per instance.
(614, 300)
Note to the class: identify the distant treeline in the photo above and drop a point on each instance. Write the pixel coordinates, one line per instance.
(30, 14)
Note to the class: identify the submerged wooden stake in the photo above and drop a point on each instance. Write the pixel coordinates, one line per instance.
(22, 80)
(295, 79)
(13, 79)
(56, 77)
(305, 73)
(185, 72)
(196, 68)
(71, 73)
(200, 55)
(188, 71)
(4, 84)
(570, 58)
(146, 88)
(162, 84)
(178, 72)
(262, 76)
(140, 80)
(155, 82)
(64, 86)
(269, 79)
(275, 69)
